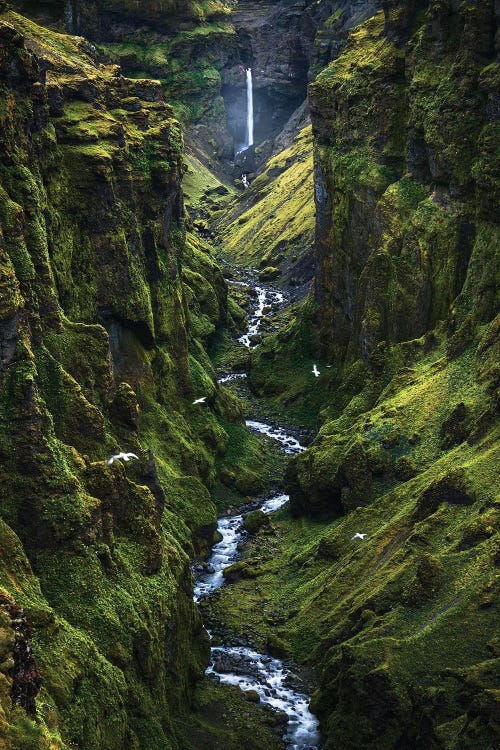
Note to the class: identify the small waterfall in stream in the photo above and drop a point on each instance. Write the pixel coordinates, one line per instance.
(249, 108)
(234, 664)
(69, 17)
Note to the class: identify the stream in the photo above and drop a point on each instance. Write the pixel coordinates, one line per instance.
(239, 665)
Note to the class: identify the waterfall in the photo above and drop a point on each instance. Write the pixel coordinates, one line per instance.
(69, 17)
(249, 108)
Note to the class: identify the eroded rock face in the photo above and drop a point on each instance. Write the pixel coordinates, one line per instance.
(94, 313)
(18, 663)
(285, 43)
(389, 145)
(329, 481)
(96, 19)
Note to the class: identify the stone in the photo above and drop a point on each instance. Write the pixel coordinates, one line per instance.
(256, 521)
(251, 696)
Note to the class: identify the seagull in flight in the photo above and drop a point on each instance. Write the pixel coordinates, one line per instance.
(357, 535)
(122, 457)
(200, 400)
(315, 371)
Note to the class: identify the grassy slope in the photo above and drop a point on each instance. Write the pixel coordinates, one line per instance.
(273, 222)
(89, 557)
(402, 625)
(411, 609)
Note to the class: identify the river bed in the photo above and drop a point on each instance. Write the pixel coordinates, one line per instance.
(238, 665)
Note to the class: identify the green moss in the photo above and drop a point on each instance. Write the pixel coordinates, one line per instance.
(280, 220)
(255, 521)
(281, 368)
(224, 720)
(104, 358)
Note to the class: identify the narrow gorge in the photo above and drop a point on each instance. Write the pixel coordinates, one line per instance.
(249, 375)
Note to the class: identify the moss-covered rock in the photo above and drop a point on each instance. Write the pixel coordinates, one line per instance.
(401, 325)
(400, 120)
(102, 320)
(255, 521)
(272, 224)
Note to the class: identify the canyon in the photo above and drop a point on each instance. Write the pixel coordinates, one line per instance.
(255, 244)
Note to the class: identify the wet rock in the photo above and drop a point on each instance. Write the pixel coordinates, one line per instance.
(269, 273)
(255, 521)
(251, 696)
(277, 646)
(9, 331)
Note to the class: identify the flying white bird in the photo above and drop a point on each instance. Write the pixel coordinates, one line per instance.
(357, 535)
(122, 457)
(200, 400)
(315, 371)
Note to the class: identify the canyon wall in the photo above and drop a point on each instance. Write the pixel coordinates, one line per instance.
(105, 306)
(404, 123)
(402, 324)
(405, 296)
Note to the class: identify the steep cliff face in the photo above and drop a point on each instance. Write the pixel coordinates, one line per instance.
(97, 20)
(273, 223)
(404, 123)
(402, 326)
(184, 45)
(285, 43)
(104, 308)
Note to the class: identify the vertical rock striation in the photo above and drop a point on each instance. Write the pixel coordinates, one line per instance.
(405, 123)
(404, 128)
(101, 331)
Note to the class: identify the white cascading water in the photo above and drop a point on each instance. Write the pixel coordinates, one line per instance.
(239, 665)
(69, 17)
(249, 108)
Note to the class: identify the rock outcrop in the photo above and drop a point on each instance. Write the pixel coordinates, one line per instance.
(405, 303)
(403, 327)
(104, 309)
(404, 122)
(285, 43)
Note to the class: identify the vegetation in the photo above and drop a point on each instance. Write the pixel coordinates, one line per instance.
(106, 305)
(273, 224)
(115, 317)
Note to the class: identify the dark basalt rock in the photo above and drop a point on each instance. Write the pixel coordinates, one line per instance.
(453, 488)
(244, 162)
(26, 679)
(354, 269)
(346, 485)
(151, 480)
(9, 335)
(456, 427)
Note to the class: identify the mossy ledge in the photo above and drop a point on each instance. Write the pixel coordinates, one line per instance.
(403, 324)
(106, 306)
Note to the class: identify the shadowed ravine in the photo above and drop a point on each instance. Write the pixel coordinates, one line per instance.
(302, 337)
(239, 665)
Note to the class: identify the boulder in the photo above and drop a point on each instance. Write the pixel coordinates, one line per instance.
(255, 521)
